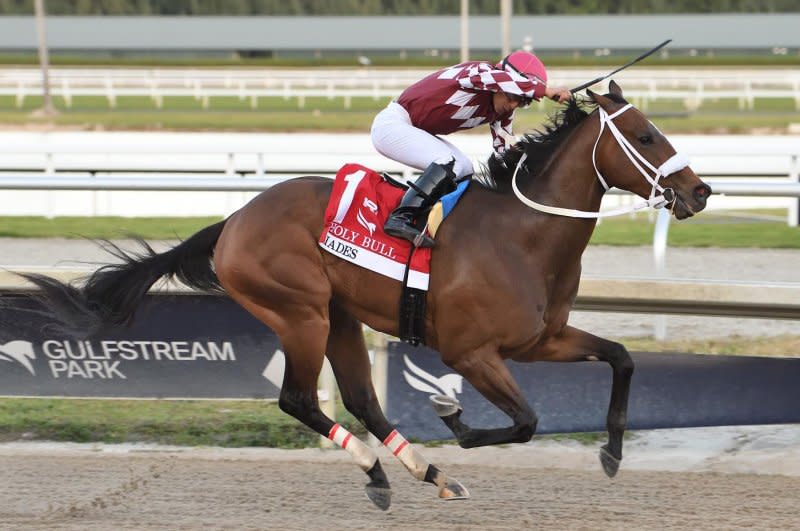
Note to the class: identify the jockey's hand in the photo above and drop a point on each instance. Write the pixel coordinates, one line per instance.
(558, 94)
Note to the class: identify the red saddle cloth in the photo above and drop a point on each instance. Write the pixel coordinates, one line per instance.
(359, 205)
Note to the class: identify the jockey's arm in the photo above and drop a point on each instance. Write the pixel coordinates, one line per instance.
(502, 135)
(489, 80)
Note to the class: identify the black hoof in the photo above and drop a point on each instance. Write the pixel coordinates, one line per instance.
(453, 490)
(609, 462)
(380, 496)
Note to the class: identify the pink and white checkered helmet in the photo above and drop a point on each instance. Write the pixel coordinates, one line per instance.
(528, 65)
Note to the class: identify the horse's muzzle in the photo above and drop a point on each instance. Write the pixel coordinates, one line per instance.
(686, 207)
(701, 194)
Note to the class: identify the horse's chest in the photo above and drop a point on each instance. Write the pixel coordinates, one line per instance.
(552, 318)
(540, 311)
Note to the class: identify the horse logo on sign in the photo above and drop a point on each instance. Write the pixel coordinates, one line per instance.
(449, 384)
(19, 351)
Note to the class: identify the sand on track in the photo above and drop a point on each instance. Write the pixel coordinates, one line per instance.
(545, 485)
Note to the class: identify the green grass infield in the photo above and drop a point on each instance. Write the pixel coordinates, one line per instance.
(276, 114)
(763, 229)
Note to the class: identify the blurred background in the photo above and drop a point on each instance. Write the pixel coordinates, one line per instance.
(258, 65)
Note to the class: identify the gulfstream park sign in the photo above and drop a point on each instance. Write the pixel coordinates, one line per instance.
(178, 346)
(106, 359)
(199, 346)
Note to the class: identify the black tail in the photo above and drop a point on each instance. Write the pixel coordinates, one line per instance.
(111, 294)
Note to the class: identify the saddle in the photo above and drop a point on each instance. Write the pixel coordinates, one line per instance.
(360, 202)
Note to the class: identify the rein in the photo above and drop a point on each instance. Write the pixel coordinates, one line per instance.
(674, 164)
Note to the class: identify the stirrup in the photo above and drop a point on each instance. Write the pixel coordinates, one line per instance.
(407, 231)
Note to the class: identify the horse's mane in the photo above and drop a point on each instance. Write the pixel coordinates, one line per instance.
(539, 145)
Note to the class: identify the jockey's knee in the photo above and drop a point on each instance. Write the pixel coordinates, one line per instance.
(463, 167)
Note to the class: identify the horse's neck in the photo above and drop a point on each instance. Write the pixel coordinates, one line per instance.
(568, 180)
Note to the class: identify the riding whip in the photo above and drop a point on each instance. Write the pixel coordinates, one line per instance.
(623, 67)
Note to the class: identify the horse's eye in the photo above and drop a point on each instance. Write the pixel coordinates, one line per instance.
(646, 140)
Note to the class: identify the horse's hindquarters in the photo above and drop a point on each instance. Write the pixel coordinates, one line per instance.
(267, 257)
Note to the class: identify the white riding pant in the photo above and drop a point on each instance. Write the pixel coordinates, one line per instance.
(394, 137)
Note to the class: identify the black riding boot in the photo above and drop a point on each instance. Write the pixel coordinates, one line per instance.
(436, 181)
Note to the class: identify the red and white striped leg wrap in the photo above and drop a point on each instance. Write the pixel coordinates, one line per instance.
(407, 454)
(362, 454)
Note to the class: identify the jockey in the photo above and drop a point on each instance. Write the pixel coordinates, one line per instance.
(459, 97)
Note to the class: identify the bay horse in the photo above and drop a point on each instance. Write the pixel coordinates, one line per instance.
(504, 276)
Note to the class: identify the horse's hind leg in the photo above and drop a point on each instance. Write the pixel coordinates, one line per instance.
(303, 334)
(576, 345)
(304, 347)
(487, 373)
(277, 274)
(350, 361)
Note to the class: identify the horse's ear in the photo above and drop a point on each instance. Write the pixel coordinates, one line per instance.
(614, 89)
(602, 101)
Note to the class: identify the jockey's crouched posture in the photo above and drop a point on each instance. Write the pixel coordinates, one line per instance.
(459, 97)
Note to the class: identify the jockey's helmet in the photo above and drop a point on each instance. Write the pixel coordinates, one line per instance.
(528, 65)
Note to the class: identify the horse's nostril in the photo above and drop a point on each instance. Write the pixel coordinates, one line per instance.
(701, 192)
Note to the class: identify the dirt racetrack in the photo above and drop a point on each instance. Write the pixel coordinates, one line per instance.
(518, 487)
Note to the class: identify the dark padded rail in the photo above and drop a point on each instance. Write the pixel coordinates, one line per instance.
(668, 390)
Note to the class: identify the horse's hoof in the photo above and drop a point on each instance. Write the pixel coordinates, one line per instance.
(445, 405)
(453, 490)
(380, 496)
(609, 462)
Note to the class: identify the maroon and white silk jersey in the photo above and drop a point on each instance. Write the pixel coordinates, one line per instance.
(460, 97)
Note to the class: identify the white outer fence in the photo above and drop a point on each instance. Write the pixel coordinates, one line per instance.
(692, 86)
(95, 171)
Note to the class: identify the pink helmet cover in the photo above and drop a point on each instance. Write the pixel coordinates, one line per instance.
(528, 65)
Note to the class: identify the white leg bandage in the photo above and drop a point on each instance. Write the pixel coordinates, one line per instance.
(402, 449)
(362, 455)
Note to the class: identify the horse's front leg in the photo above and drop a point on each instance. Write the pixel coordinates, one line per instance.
(487, 372)
(576, 345)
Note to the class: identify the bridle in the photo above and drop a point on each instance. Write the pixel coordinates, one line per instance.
(674, 164)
